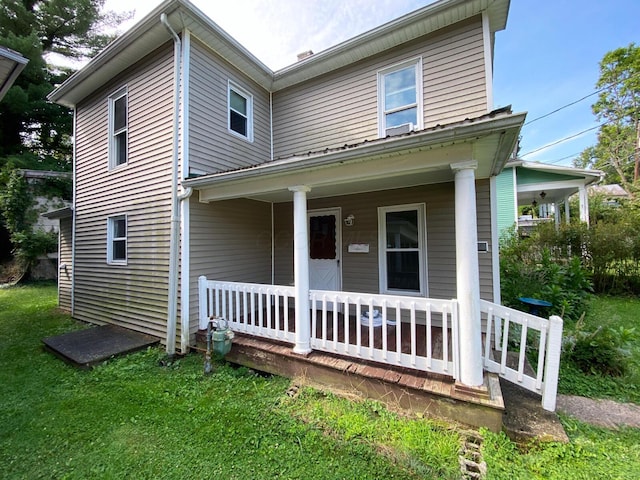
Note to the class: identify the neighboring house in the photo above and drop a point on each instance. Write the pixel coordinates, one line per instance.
(11, 64)
(367, 168)
(545, 189)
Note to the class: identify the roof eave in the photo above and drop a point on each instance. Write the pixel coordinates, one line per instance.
(458, 132)
(19, 62)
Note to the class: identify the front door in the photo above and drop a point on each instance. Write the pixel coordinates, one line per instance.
(324, 249)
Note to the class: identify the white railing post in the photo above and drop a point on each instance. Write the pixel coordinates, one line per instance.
(202, 302)
(552, 367)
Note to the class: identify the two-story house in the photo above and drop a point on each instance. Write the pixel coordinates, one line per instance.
(343, 205)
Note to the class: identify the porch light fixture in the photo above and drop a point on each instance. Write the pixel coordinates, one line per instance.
(534, 204)
(348, 221)
(543, 194)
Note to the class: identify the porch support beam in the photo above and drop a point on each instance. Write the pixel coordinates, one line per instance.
(467, 274)
(301, 269)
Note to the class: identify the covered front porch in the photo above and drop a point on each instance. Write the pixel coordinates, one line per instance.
(414, 361)
(382, 253)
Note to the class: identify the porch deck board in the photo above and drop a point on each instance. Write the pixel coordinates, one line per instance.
(277, 320)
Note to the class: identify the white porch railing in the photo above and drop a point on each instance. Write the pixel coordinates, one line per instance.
(405, 337)
(253, 308)
(425, 338)
(337, 322)
(524, 336)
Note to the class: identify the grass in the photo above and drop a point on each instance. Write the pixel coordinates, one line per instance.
(616, 312)
(132, 418)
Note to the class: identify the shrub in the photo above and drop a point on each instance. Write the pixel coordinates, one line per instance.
(529, 268)
(605, 350)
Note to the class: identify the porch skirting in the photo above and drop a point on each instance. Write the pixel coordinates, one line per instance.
(418, 392)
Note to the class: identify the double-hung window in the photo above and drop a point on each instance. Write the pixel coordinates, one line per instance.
(400, 98)
(117, 240)
(118, 127)
(402, 249)
(240, 112)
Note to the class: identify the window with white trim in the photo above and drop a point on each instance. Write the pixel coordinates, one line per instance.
(117, 240)
(400, 98)
(240, 112)
(118, 128)
(402, 240)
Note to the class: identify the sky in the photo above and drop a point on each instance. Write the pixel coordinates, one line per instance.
(547, 57)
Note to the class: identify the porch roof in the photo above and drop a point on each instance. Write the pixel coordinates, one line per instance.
(418, 158)
(557, 182)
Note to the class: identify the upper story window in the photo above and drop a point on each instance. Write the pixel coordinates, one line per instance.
(400, 98)
(117, 240)
(402, 249)
(118, 125)
(240, 112)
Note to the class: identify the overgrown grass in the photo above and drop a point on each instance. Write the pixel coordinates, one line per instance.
(132, 418)
(603, 312)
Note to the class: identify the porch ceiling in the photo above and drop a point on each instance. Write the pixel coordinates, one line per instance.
(553, 193)
(415, 159)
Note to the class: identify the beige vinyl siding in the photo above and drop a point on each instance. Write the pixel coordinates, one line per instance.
(231, 241)
(360, 271)
(342, 107)
(212, 147)
(483, 192)
(132, 295)
(65, 258)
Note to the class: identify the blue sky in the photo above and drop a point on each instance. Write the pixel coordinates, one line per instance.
(546, 58)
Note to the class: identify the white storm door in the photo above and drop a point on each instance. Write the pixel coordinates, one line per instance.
(324, 250)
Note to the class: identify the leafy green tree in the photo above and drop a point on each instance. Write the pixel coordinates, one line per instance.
(36, 133)
(617, 152)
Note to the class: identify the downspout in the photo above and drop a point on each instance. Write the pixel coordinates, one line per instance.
(172, 300)
(73, 213)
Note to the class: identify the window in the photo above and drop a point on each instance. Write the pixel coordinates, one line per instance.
(402, 249)
(240, 112)
(118, 122)
(117, 239)
(400, 97)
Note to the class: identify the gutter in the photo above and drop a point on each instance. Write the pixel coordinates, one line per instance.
(172, 295)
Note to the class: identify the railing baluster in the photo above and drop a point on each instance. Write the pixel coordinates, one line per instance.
(523, 348)
(383, 329)
(335, 323)
(429, 335)
(359, 325)
(371, 327)
(445, 339)
(324, 321)
(505, 339)
(413, 333)
(346, 322)
(541, 356)
(398, 334)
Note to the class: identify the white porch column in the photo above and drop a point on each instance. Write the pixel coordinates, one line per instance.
(467, 274)
(301, 269)
(556, 215)
(567, 218)
(584, 204)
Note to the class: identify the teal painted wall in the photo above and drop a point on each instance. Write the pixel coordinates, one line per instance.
(506, 201)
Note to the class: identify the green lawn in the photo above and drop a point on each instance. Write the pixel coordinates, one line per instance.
(133, 418)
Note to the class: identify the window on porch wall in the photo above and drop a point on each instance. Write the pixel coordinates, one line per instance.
(402, 249)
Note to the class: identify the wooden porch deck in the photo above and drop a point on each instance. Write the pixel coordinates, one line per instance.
(414, 390)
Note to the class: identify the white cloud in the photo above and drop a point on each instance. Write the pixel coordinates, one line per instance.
(276, 31)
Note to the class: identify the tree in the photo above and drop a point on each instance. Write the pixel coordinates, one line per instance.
(617, 152)
(36, 133)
